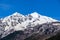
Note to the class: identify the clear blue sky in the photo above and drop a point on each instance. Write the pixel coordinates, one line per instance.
(45, 7)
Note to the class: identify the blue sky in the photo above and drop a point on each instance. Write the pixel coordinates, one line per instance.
(49, 8)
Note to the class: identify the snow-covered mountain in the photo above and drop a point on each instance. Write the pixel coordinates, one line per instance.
(17, 22)
(16, 19)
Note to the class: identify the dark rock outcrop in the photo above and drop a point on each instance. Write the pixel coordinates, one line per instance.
(56, 37)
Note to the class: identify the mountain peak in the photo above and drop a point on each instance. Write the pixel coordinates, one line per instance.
(16, 13)
(35, 14)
